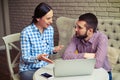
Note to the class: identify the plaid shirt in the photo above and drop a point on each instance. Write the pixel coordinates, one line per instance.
(34, 43)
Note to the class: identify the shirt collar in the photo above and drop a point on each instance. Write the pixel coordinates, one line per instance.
(91, 40)
(35, 27)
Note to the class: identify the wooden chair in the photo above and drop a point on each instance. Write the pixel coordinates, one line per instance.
(9, 41)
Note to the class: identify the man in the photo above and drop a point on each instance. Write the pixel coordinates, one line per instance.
(89, 43)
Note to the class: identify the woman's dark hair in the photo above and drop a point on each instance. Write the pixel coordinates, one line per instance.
(90, 19)
(41, 10)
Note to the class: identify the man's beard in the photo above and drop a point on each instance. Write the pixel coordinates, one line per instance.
(81, 36)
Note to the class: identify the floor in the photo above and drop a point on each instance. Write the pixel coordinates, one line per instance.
(4, 72)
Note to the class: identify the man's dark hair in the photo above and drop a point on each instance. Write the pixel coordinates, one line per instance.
(41, 10)
(90, 19)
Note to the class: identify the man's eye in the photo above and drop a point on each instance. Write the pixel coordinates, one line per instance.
(78, 27)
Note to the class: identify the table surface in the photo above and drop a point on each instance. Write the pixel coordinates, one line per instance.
(98, 74)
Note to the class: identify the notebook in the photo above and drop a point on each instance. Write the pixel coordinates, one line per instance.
(75, 67)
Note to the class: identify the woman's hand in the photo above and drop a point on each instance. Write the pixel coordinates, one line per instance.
(58, 48)
(44, 58)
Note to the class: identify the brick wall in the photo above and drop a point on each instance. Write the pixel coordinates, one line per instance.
(21, 11)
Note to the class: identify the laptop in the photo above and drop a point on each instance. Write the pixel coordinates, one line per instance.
(75, 67)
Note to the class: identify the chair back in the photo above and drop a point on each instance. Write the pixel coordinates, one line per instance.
(112, 29)
(66, 31)
(9, 41)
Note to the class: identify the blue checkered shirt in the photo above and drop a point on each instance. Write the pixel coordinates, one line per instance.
(33, 43)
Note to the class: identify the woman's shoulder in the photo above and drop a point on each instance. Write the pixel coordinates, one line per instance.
(27, 28)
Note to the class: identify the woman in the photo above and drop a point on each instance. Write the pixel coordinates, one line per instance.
(37, 42)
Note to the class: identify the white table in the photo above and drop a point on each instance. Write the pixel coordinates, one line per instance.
(98, 74)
